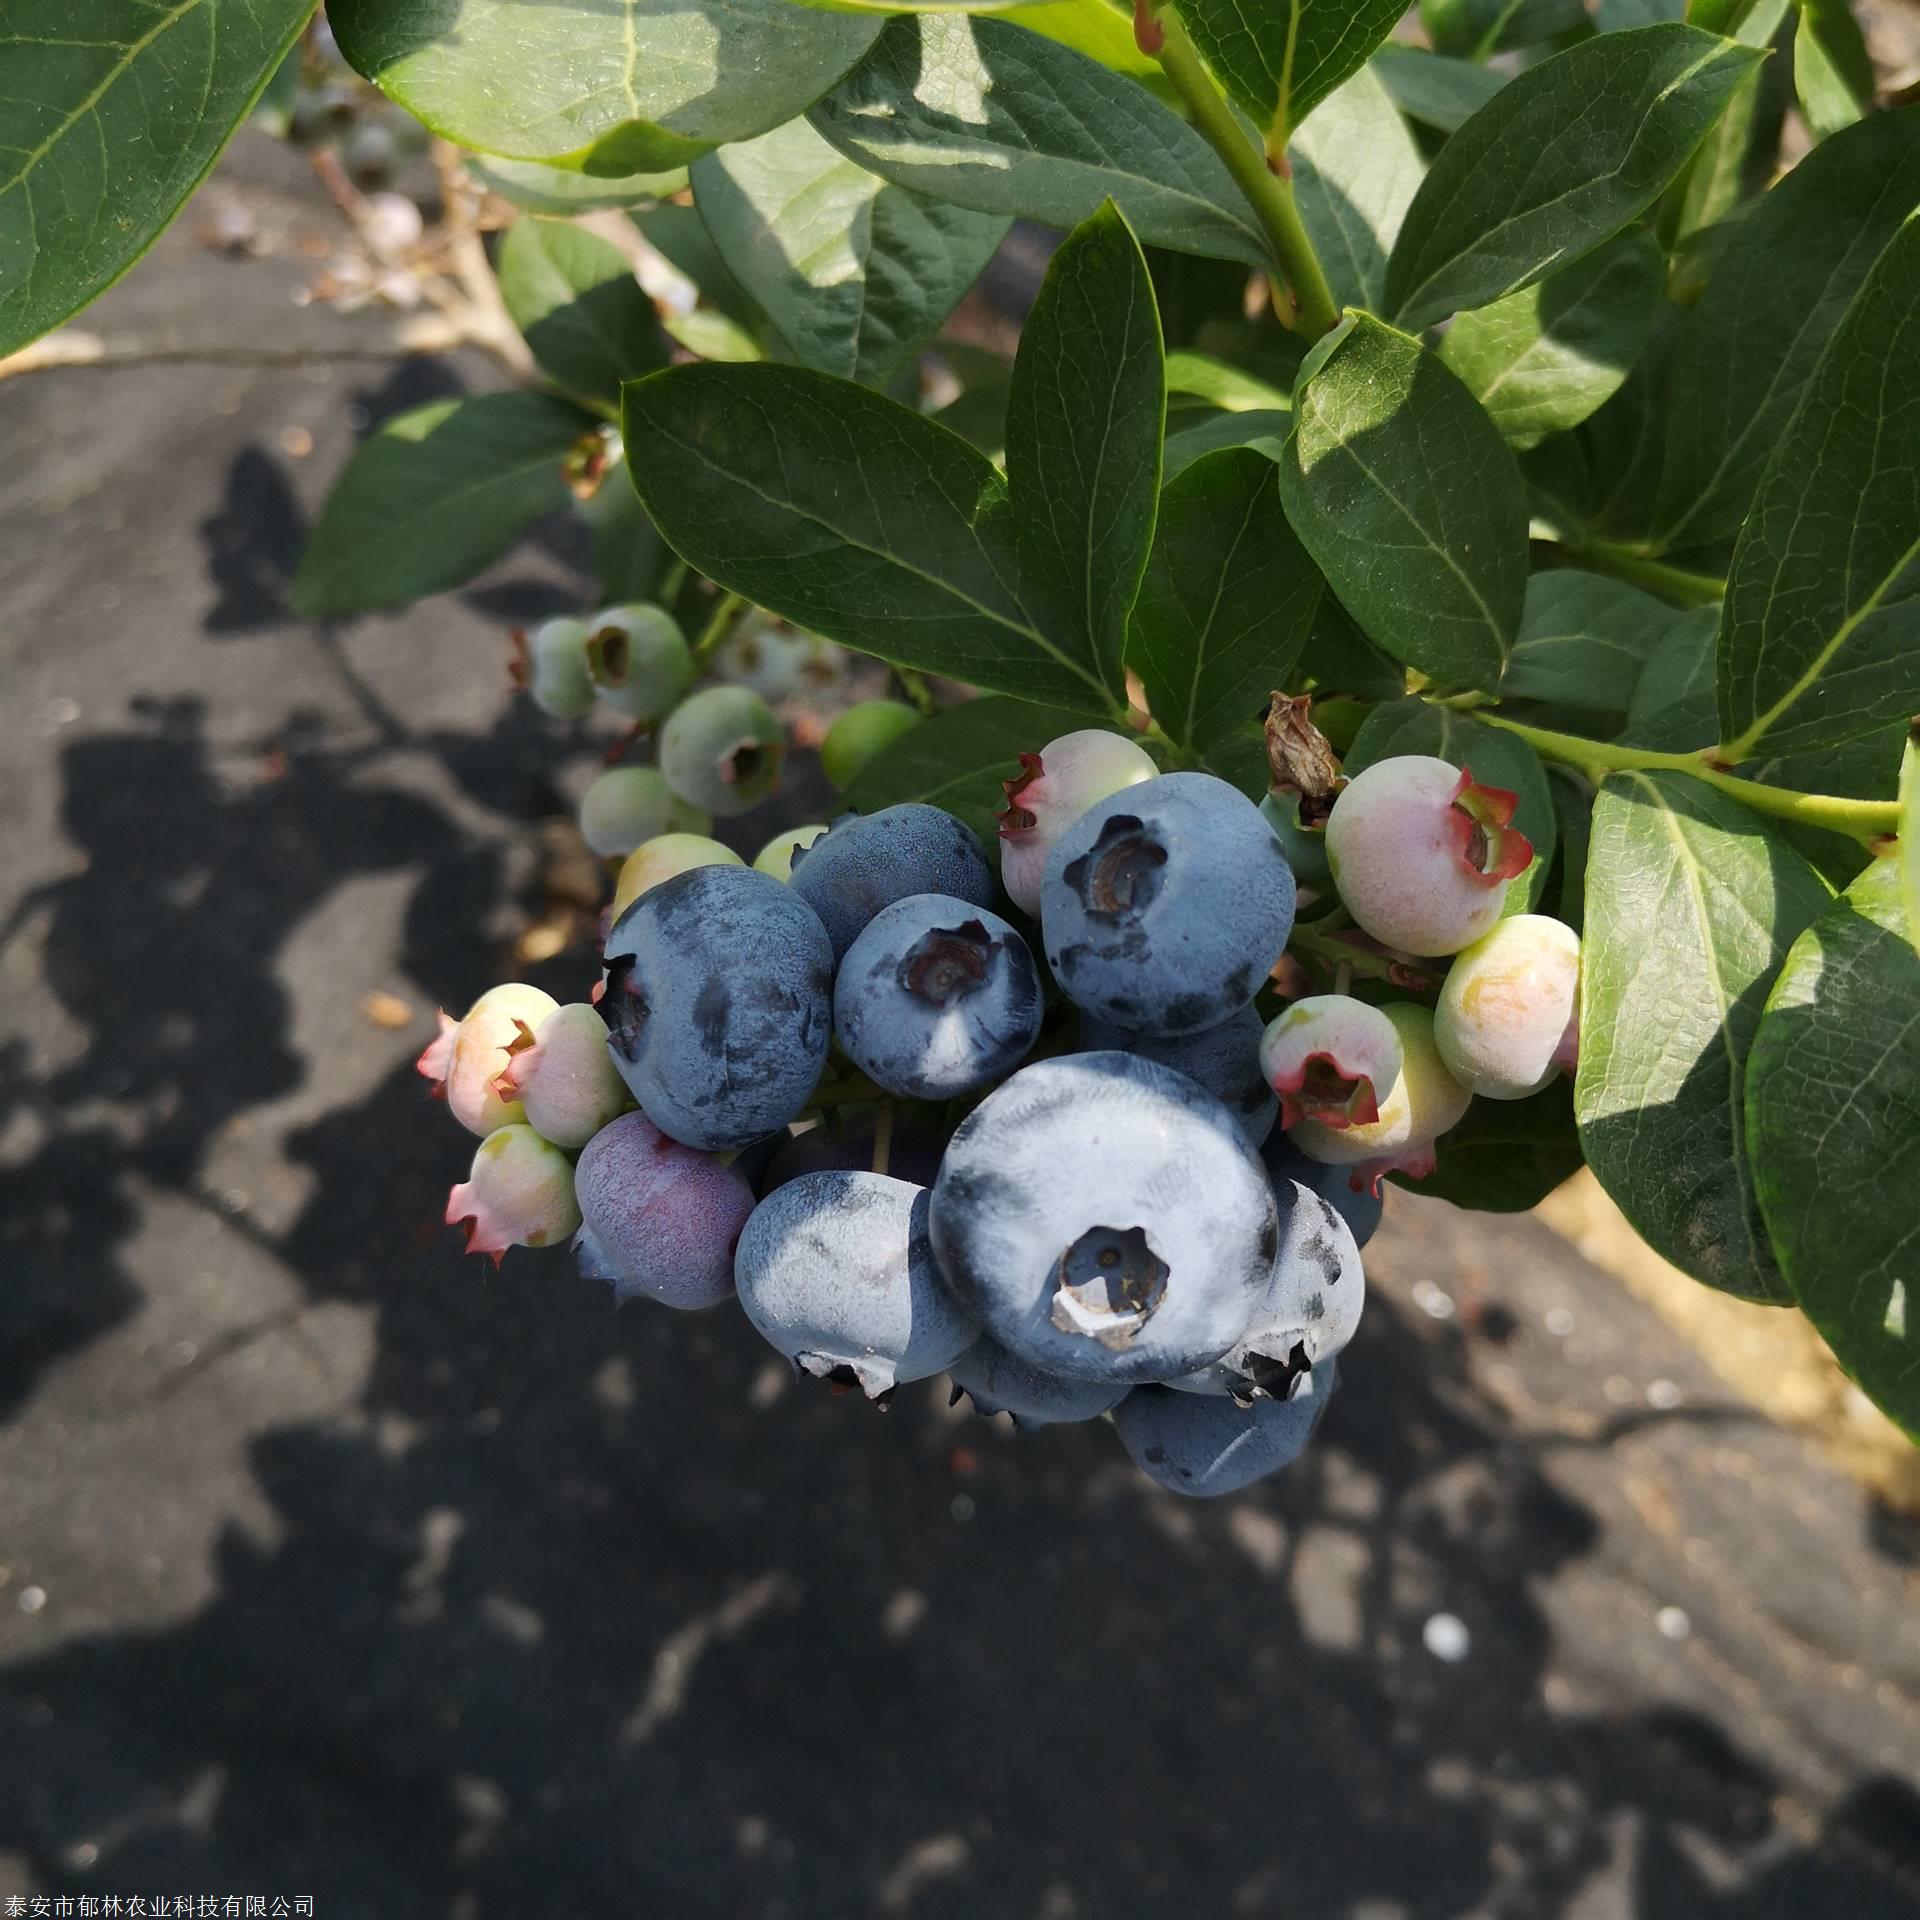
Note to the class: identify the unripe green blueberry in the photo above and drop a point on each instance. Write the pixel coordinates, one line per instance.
(1424, 1103)
(859, 734)
(628, 805)
(1331, 1059)
(639, 660)
(564, 1077)
(470, 1055)
(1422, 854)
(777, 856)
(518, 1193)
(778, 660)
(1305, 846)
(550, 664)
(1054, 788)
(1509, 1011)
(723, 749)
(660, 859)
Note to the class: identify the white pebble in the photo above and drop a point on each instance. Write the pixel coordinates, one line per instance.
(1447, 1638)
(1559, 1322)
(1431, 1301)
(32, 1599)
(1663, 1395)
(1673, 1622)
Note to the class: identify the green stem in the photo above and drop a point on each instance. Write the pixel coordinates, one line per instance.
(1309, 299)
(1673, 584)
(671, 582)
(914, 686)
(1321, 939)
(1863, 820)
(719, 624)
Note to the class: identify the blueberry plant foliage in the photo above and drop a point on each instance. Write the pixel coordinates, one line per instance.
(1502, 438)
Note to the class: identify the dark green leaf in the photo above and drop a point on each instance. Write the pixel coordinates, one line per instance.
(851, 516)
(434, 496)
(617, 87)
(1573, 813)
(1604, 126)
(1224, 386)
(1262, 429)
(1279, 58)
(1497, 759)
(111, 114)
(1832, 1089)
(581, 309)
(1085, 421)
(1439, 92)
(1745, 352)
(560, 191)
(1691, 907)
(1622, 16)
(1832, 69)
(1410, 503)
(1737, 158)
(1672, 709)
(1226, 604)
(986, 115)
(1909, 850)
(1474, 29)
(1340, 661)
(1820, 634)
(1543, 359)
(1506, 1155)
(856, 274)
(961, 758)
(1583, 639)
(680, 237)
(1356, 169)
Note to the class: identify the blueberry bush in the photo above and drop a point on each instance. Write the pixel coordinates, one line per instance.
(1406, 673)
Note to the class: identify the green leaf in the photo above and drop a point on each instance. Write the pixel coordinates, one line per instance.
(1506, 1155)
(1746, 351)
(1820, 634)
(857, 275)
(961, 758)
(1672, 709)
(1543, 359)
(680, 237)
(1909, 848)
(575, 299)
(1605, 126)
(986, 115)
(628, 552)
(1475, 29)
(1280, 58)
(1833, 1087)
(1226, 604)
(616, 87)
(849, 515)
(1497, 758)
(1621, 16)
(1264, 429)
(1583, 640)
(112, 113)
(1223, 386)
(1832, 69)
(1410, 504)
(1573, 813)
(1691, 907)
(1104, 33)
(1439, 92)
(1085, 421)
(433, 497)
(1738, 156)
(1356, 168)
(559, 191)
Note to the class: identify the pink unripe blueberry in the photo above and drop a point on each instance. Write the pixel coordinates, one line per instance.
(470, 1055)
(1055, 787)
(627, 805)
(1424, 1103)
(659, 1220)
(1331, 1059)
(1422, 854)
(639, 660)
(859, 734)
(723, 749)
(564, 1077)
(550, 664)
(1508, 1016)
(660, 859)
(776, 857)
(519, 1193)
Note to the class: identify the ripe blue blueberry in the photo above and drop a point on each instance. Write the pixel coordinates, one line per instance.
(1224, 1059)
(1105, 1217)
(659, 1221)
(997, 1381)
(936, 997)
(837, 1272)
(1166, 905)
(1359, 1207)
(1203, 1445)
(719, 1000)
(1308, 1313)
(864, 862)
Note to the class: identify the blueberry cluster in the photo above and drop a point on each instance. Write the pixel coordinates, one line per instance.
(1034, 1130)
